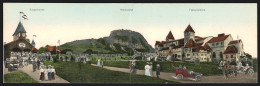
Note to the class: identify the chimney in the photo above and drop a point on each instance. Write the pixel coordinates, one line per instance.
(222, 34)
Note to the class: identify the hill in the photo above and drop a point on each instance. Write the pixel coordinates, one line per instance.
(119, 41)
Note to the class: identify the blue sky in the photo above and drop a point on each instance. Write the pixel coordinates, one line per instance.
(75, 21)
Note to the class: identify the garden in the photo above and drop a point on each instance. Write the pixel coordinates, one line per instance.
(77, 72)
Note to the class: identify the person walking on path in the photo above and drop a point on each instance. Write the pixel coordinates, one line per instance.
(53, 73)
(45, 73)
(34, 65)
(147, 71)
(38, 64)
(42, 73)
(158, 70)
(98, 64)
(133, 68)
(49, 72)
(151, 68)
(130, 66)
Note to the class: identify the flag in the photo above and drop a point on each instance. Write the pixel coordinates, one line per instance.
(22, 13)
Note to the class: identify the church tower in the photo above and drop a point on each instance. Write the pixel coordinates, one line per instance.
(189, 33)
(169, 37)
(19, 33)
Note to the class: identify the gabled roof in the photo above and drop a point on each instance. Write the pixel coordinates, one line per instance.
(190, 43)
(34, 49)
(19, 29)
(170, 36)
(206, 47)
(198, 38)
(189, 29)
(51, 48)
(230, 49)
(234, 42)
(218, 39)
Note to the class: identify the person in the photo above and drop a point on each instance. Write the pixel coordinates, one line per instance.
(38, 64)
(158, 70)
(45, 73)
(42, 73)
(133, 68)
(147, 72)
(49, 72)
(179, 67)
(34, 65)
(151, 69)
(130, 66)
(102, 63)
(239, 65)
(98, 64)
(53, 73)
(247, 66)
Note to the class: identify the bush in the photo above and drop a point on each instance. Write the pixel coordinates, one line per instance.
(233, 63)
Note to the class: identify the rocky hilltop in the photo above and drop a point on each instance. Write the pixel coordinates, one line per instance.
(119, 41)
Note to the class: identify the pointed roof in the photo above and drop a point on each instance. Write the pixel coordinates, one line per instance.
(33, 43)
(234, 42)
(170, 36)
(190, 43)
(230, 49)
(157, 42)
(51, 48)
(189, 29)
(219, 38)
(19, 28)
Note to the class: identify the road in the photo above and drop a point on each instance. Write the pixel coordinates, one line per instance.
(241, 78)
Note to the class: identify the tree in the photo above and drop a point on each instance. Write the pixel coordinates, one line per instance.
(88, 51)
(28, 40)
(248, 56)
(42, 50)
(47, 46)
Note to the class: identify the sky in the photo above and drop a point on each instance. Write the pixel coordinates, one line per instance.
(67, 22)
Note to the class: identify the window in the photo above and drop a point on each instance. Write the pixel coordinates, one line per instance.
(188, 54)
(216, 44)
(232, 56)
(213, 44)
(222, 43)
(201, 54)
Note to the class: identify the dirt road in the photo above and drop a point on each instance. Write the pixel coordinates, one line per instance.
(241, 78)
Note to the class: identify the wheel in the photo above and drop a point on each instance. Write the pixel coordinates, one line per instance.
(197, 78)
(250, 71)
(180, 76)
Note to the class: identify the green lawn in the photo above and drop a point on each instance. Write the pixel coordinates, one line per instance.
(83, 73)
(206, 68)
(18, 77)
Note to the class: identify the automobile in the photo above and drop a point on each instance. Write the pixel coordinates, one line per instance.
(181, 73)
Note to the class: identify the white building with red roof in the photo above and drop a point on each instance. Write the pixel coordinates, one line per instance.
(206, 49)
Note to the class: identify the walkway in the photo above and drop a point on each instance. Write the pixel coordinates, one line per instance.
(205, 79)
(36, 75)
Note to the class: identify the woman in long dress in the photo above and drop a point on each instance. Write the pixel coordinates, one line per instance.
(53, 73)
(45, 73)
(147, 72)
(42, 73)
(98, 64)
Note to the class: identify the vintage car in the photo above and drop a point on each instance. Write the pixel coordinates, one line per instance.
(182, 73)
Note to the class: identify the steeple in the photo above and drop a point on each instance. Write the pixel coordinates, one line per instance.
(170, 37)
(33, 43)
(189, 29)
(20, 32)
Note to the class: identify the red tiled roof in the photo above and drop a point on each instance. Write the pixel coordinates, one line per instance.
(189, 29)
(51, 48)
(200, 38)
(34, 49)
(219, 38)
(176, 47)
(190, 43)
(233, 42)
(206, 47)
(170, 36)
(230, 49)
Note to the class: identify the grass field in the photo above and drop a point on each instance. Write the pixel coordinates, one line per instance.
(76, 72)
(206, 68)
(18, 77)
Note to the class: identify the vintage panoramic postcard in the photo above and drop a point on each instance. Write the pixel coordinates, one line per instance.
(130, 43)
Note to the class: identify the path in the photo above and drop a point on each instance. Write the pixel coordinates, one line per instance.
(36, 75)
(205, 79)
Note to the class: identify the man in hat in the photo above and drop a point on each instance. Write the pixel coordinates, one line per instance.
(49, 72)
(133, 67)
(34, 65)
